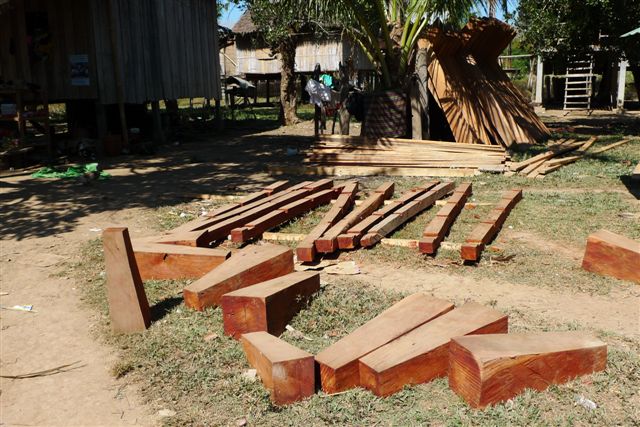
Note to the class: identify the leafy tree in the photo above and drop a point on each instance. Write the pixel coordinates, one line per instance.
(565, 27)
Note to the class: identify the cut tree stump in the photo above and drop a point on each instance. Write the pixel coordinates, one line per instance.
(256, 227)
(487, 369)
(167, 262)
(306, 250)
(351, 238)
(423, 354)
(251, 265)
(488, 228)
(128, 305)
(268, 306)
(435, 232)
(339, 362)
(611, 254)
(405, 213)
(287, 371)
(328, 243)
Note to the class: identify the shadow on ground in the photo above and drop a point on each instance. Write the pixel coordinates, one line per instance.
(228, 163)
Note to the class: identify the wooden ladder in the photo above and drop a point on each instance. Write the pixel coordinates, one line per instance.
(578, 84)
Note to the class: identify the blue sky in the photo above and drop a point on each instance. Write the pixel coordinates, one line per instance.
(229, 17)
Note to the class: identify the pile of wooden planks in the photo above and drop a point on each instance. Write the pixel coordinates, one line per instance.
(479, 101)
(551, 160)
(354, 155)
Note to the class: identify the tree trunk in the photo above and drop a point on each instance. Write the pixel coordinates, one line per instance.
(634, 67)
(288, 93)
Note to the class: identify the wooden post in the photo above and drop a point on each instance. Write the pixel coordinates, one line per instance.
(622, 74)
(117, 74)
(344, 115)
(158, 132)
(422, 68)
(218, 114)
(101, 126)
(539, 81)
(128, 306)
(268, 90)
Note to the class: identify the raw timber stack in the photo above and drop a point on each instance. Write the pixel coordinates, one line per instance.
(479, 101)
(354, 155)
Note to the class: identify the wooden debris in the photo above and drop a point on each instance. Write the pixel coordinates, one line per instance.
(423, 354)
(486, 231)
(128, 305)
(438, 228)
(167, 262)
(339, 362)
(285, 370)
(611, 254)
(251, 265)
(351, 239)
(328, 243)
(280, 215)
(525, 166)
(268, 306)
(405, 213)
(487, 369)
(306, 250)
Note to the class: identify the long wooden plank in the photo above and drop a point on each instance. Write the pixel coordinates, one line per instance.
(255, 228)
(611, 254)
(405, 213)
(488, 228)
(339, 362)
(438, 228)
(268, 306)
(328, 243)
(306, 250)
(319, 170)
(128, 305)
(487, 369)
(286, 371)
(251, 265)
(553, 151)
(168, 262)
(579, 153)
(363, 141)
(196, 238)
(423, 354)
(351, 238)
(222, 229)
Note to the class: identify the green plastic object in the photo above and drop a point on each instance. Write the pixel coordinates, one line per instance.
(71, 172)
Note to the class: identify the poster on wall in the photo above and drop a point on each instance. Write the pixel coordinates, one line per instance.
(79, 70)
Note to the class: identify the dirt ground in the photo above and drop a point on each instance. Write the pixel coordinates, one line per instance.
(43, 223)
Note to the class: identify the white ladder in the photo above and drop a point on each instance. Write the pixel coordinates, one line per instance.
(578, 84)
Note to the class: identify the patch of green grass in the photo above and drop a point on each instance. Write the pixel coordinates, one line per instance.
(203, 381)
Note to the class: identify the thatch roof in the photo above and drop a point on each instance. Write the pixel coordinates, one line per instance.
(245, 24)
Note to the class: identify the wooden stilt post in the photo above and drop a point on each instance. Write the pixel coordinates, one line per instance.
(622, 74)
(539, 81)
(158, 132)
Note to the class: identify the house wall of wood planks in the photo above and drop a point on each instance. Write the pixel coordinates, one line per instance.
(168, 48)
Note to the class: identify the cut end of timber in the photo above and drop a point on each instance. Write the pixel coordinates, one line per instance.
(326, 246)
(306, 253)
(487, 369)
(239, 235)
(348, 241)
(370, 239)
(471, 251)
(428, 245)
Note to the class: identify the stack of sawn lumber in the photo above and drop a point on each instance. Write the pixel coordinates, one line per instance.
(480, 103)
(561, 152)
(251, 215)
(352, 155)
